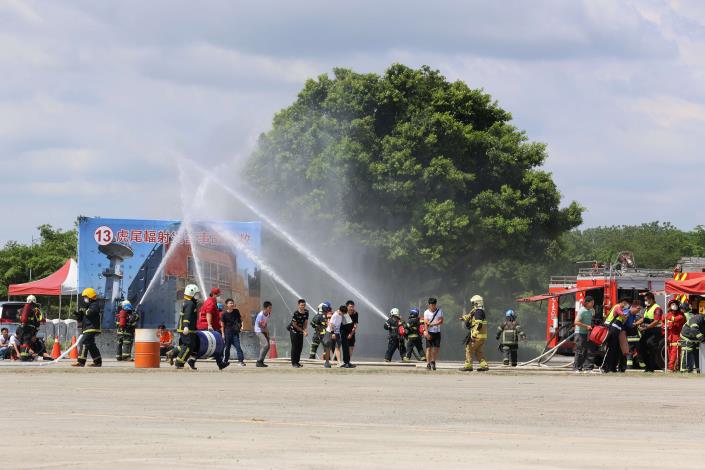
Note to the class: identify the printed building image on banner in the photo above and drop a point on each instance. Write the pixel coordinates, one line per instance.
(150, 262)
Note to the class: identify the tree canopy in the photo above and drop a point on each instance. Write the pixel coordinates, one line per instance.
(51, 251)
(431, 173)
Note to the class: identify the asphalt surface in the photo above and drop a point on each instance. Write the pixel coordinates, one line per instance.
(375, 416)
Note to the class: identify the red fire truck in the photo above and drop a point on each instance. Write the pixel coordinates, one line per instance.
(605, 284)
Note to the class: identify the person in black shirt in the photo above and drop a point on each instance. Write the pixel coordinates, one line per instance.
(298, 328)
(354, 315)
(230, 326)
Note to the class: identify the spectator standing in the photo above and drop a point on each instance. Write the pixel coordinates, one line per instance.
(583, 325)
(297, 331)
(346, 328)
(336, 320)
(231, 325)
(433, 319)
(262, 332)
(352, 311)
(634, 314)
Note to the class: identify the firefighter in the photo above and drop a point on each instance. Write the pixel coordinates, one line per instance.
(90, 319)
(508, 335)
(30, 319)
(675, 319)
(188, 339)
(413, 336)
(649, 326)
(394, 325)
(125, 323)
(476, 322)
(692, 334)
(613, 356)
(318, 323)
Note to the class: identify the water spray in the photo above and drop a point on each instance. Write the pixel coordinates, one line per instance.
(297, 245)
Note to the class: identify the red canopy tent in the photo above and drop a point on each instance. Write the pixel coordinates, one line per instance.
(690, 286)
(62, 282)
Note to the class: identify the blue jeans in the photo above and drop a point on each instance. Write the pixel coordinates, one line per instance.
(232, 339)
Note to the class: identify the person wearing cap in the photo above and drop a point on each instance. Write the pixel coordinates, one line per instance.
(209, 316)
(432, 319)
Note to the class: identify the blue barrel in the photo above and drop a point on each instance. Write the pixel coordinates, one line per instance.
(210, 344)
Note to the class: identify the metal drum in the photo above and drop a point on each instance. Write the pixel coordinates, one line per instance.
(146, 349)
(210, 343)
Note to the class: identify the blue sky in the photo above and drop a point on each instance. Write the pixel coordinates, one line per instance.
(99, 100)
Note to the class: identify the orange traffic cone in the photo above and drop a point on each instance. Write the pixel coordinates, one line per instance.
(56, 350)
(74, 352)
(273, 349)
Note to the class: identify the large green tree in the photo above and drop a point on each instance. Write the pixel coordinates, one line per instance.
(429, 172)
(51, 251)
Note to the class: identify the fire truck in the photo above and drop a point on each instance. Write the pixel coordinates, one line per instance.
(606, 284)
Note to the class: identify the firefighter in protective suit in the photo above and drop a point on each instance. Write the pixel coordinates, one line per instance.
(395, 341)
(318, 323)
(692, 335)
(125, 323)
(188, 341)
(90, 320)
(30, 319)
(476, 322)
(413, 338)
(508, 334)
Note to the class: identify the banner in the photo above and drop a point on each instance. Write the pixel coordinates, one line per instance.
(150, 262)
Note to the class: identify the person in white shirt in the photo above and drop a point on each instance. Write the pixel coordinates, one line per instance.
(433, 319)
(334, 329)
(262, 331)
(4, 344)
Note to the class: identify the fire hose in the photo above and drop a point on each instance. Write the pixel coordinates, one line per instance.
(48, 363)
(551, 351)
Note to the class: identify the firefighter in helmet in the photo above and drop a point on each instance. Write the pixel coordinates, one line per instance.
(476, 322)
(90, 320)
(30, 319)
(125, 323)
(692, 337)
(395, 328)
(508, 334)
(413, 336)
(318, 323)
(188, 341)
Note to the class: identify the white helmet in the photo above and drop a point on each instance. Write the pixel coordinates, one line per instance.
(477, 301)
(31, 299)
(320, 307)
(191, 290)
(394, 312)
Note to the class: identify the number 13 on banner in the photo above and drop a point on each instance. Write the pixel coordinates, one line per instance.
(103, 235)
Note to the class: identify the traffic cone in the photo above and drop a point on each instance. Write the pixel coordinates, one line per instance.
(74, 352)
(273, 349)
(56, 350)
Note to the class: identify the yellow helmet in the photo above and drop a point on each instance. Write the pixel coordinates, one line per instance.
(90, 293)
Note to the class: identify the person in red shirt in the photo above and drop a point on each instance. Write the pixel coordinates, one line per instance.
(675, 319)
(209, 319)
(209, 315)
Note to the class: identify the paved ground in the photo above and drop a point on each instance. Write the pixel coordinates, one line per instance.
(370, 417)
